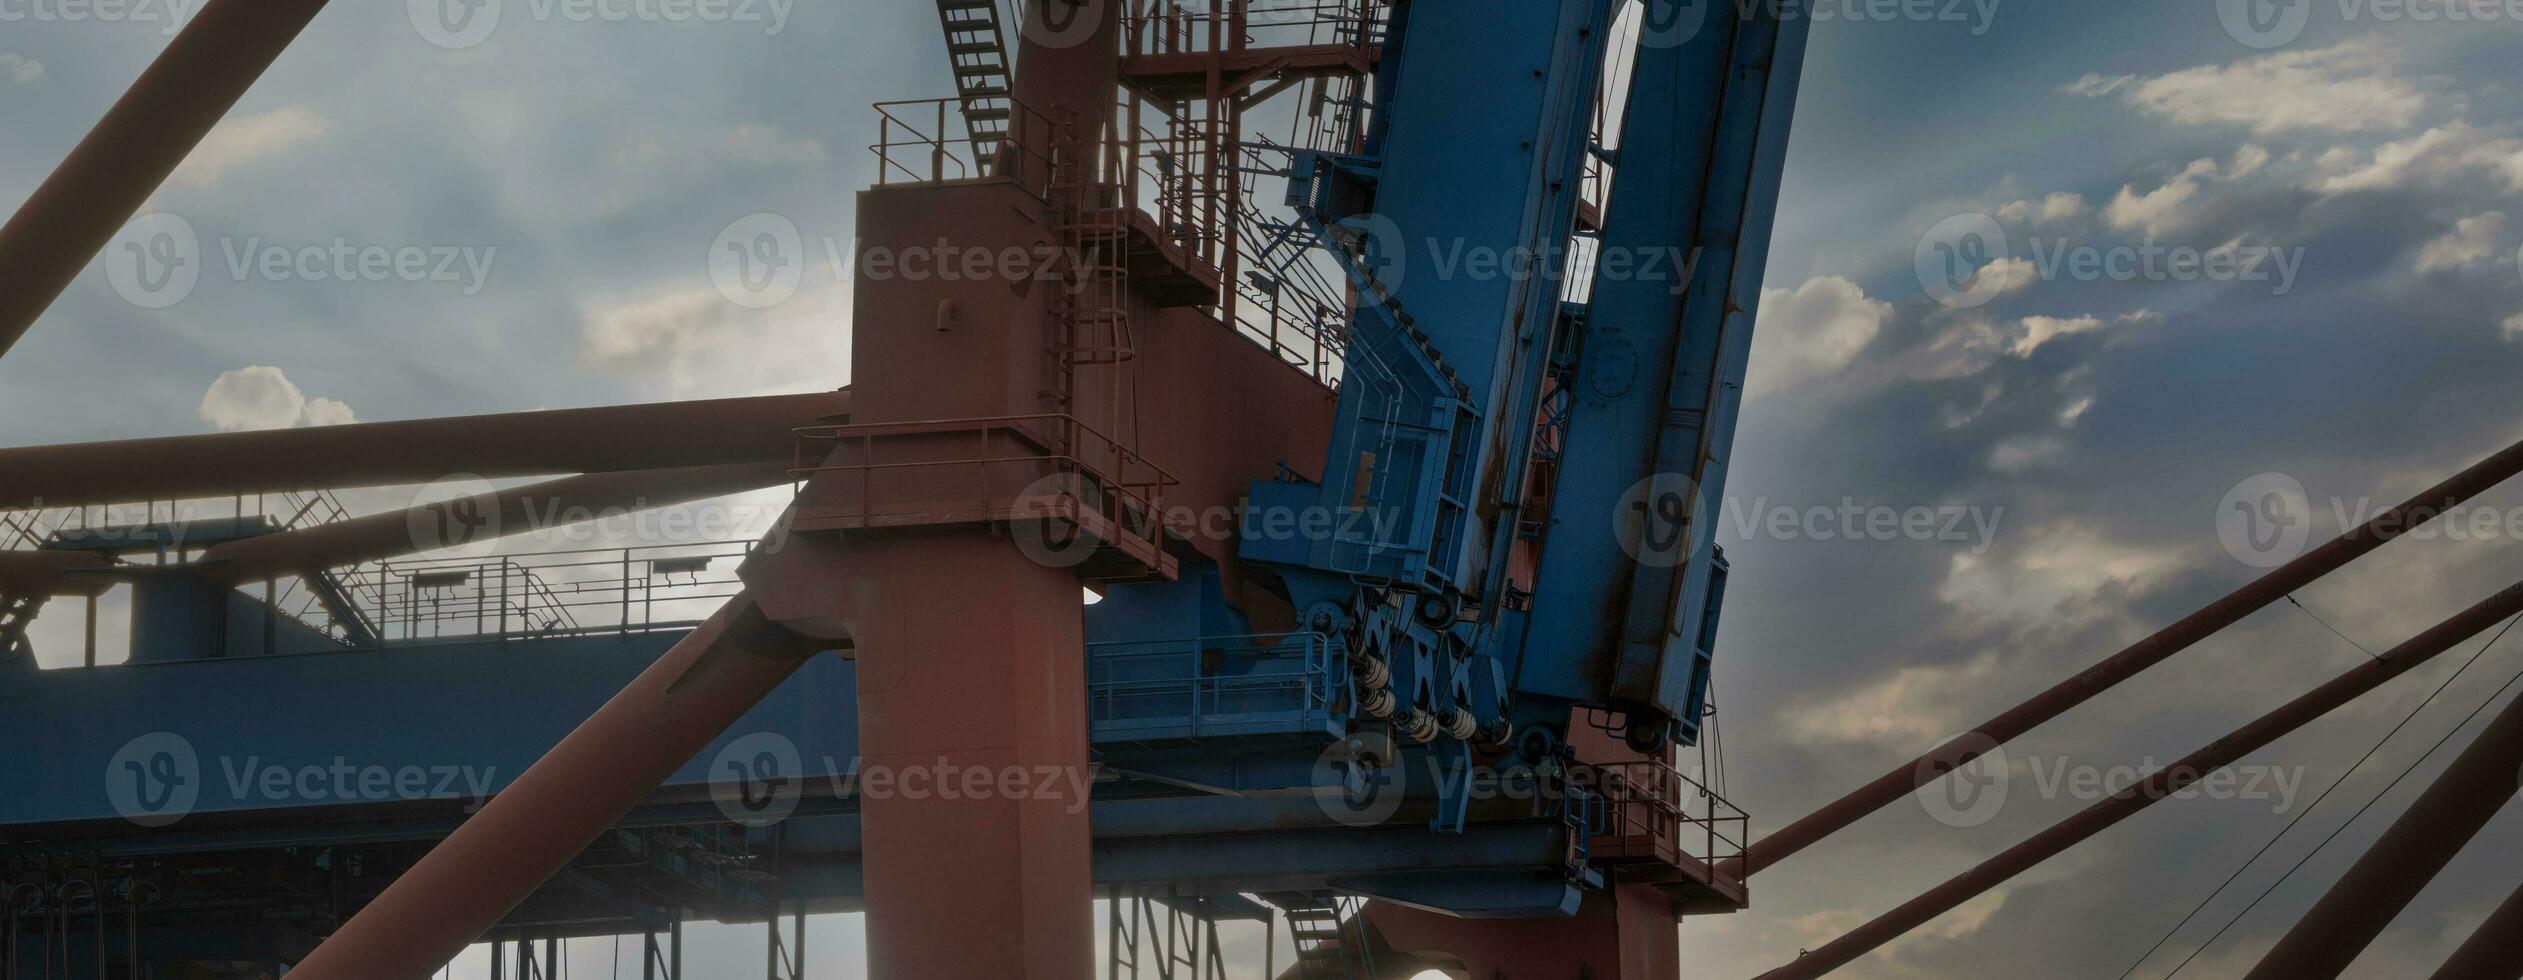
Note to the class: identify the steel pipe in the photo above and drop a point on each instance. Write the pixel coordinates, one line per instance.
(482, 517)
(536, 826)
(2128, 663)
(2480, 782)
(2102, 816)
(373, 454)
(148, 132)
(2495, 952)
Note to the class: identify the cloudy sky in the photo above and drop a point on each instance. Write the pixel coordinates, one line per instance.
(2086, 404)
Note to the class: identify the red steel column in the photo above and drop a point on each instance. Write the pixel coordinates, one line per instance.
(2480, 782)
(2495, 952)
(532, 829)
(2056, 701)
(2102, 816)
(1626, 932)
(974, 775)
(112, 172)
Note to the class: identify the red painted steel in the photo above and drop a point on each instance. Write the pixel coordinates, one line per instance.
(531, 830)
(974, 772)
(112, 172)
(50, 573)
(1622, 933)
(2426, 838)
(583, 440)
(477, 518)
(2128, 663)
(2495, 952)
(2102, 816)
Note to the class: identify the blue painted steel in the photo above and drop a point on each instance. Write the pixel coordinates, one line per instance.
(481, 710)
(1652, 418)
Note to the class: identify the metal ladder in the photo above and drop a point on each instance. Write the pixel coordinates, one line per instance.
(976, 44)
(1329, 935)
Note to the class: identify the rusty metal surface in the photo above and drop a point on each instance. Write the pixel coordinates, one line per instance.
(2102, 816)
(2328, 558)
(584, 440)
(141, 140)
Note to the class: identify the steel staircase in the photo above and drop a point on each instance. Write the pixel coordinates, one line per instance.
(1329, 935)
(976, 44)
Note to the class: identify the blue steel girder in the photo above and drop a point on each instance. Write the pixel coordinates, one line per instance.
(1629, 564)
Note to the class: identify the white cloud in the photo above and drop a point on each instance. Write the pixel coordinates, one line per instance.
(242, 140)
(2431, 157)
(2033, 331)
(2474, 240)
(20, 69)
(261, 397)
(2164, 209)
(1811, 331)
(1916, 706)
(2056, 208)
(2348, 88)
(2024, 454)
(2061, 567)
(2514, 327)
(694, 343)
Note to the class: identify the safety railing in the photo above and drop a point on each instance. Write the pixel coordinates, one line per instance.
(1654, 813)
(1174, 27)
(558, 593)
(932, 141)
(1215, 687)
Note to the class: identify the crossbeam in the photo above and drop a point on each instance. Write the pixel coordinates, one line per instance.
(374, 454)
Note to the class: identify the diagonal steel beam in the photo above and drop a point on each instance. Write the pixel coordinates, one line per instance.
(469, 520)
(111, 173)
(585, 440)
(2066, 695)
(536, 826)
(2419, 845)
(2495, 952)
(2198, 765)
